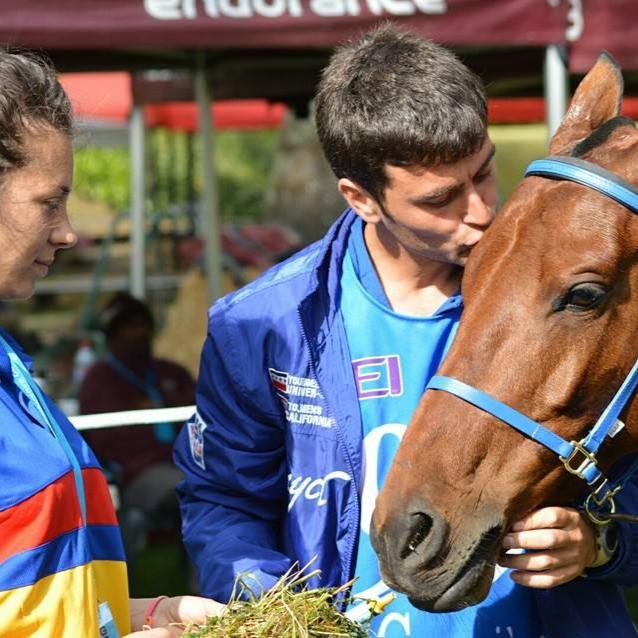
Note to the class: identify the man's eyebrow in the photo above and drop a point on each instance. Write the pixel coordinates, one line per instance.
(439, 193)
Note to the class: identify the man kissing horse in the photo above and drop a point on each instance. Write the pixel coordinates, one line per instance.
(534, 404)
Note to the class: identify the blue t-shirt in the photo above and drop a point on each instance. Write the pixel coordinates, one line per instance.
(390, 381)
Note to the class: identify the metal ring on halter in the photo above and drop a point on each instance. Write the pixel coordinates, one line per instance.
(595, 513)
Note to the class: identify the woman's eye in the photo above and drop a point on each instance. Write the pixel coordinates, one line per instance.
(583, 297)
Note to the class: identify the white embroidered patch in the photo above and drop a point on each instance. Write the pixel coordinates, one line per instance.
(196, 427)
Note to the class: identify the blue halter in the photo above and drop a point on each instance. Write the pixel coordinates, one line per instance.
(578, 457)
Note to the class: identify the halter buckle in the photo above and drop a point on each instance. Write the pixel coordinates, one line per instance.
(576, 464)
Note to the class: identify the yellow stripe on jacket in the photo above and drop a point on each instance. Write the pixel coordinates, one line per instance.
(64, 605)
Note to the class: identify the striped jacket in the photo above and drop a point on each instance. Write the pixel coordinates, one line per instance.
(55, 568)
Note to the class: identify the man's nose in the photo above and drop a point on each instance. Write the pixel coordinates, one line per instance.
(478, 213)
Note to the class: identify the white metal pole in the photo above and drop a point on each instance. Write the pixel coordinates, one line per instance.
(209, 207)
(138, 198)
(132, 417)
(556, 86)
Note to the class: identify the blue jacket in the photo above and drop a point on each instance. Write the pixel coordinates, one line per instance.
(264, 489)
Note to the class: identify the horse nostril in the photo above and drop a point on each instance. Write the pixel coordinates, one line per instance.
(419, 532)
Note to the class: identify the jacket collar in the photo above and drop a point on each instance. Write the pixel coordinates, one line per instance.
(5, 367)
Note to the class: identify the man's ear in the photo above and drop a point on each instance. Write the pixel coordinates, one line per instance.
(360, 200)
(598, 99)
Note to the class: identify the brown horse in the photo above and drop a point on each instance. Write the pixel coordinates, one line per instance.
(549, 328)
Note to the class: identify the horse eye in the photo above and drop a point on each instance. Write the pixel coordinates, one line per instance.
(583, 297)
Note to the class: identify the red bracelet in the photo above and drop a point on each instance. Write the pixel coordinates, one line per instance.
(152, 606)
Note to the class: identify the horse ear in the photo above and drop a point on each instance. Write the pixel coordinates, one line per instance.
(598, 99)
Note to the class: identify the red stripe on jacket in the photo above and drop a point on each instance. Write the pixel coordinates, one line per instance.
(50, 512)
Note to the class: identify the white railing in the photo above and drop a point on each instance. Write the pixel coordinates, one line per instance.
(132, 417)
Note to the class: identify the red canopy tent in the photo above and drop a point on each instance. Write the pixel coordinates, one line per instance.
(271, 24)
(159, 26)
(274, 48)
(109, 96)
(596, 25)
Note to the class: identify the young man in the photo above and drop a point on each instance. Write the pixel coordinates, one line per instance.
(310, 374)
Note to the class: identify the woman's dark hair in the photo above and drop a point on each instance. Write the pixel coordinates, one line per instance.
(395, 98)
(30, 96)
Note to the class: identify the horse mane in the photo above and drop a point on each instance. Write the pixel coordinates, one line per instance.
(600, 135)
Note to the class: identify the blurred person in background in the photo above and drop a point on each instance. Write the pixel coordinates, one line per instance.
(62, 568)
(129, 377)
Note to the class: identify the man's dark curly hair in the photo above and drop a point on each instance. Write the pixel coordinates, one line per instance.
(395, 98)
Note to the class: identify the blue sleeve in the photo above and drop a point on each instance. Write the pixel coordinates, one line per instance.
(623, 568)
(234, 494)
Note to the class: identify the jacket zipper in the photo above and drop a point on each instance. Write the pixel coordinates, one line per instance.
(357, 508)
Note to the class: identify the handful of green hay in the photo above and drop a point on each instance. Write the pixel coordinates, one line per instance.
(288, 610)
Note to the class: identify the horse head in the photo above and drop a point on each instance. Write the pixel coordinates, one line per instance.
(549, 328)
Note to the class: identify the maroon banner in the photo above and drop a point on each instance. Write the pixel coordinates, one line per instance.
(233, 24)
(597, 25)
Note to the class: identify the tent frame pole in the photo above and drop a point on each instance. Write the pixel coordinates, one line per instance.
(556, 81)
(209, 207)
(137, 282)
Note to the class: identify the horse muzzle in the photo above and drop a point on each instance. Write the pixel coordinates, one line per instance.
(417, 558)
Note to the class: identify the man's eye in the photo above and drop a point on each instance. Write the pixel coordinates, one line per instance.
(439, 203)
(481, 177)
(53, 205)
(583, 297)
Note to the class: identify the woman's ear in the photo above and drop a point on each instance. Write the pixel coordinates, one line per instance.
(360, 200)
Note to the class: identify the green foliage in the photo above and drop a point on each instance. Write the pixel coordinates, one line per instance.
(102, 174)
(243, 160)
(242, 163)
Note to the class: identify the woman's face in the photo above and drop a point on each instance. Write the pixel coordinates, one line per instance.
(34, 223)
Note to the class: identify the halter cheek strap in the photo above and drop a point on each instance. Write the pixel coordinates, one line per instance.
(578, 457)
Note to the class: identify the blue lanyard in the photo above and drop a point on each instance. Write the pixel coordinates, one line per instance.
(163, 432)
(147, 386)
(25, 384)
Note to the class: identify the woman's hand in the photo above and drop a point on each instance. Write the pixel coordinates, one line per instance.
(559, 545)
(170, 615)
(185, 610)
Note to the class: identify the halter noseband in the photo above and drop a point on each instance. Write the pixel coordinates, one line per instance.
(578, 457)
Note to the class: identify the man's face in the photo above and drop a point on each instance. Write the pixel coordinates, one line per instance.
(439, 213)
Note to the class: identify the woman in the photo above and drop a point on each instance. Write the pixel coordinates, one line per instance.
(62, 569)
